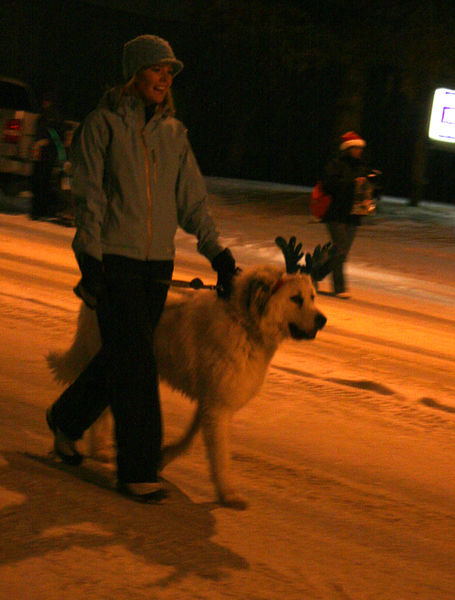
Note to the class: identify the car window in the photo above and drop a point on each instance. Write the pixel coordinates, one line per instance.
(14, 96)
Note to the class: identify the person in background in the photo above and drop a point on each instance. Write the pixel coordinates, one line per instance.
(50, 135)
(343, 175)
(135, 179)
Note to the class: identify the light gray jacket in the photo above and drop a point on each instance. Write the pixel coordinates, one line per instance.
(135, 182)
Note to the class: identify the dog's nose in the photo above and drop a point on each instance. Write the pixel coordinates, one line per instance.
(320, 320)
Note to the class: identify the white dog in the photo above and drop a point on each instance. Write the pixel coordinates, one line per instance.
(216, 352)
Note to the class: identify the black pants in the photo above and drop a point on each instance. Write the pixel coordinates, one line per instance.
(123, 374)
(342, 236)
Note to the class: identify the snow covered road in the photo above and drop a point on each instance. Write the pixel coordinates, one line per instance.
(347, 456)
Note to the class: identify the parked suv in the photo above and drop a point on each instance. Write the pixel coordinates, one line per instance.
(18, 115)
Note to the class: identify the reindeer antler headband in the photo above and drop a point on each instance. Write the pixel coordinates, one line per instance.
(318, 264)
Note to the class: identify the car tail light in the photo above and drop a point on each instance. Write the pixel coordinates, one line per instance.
(12, 131)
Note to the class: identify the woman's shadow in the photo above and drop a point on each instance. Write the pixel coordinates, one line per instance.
(55, 498)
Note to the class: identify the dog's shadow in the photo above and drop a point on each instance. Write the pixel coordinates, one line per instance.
(55, 500)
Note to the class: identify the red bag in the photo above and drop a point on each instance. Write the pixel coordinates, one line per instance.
(320, 201)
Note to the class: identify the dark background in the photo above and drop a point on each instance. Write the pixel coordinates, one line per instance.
(267, 85)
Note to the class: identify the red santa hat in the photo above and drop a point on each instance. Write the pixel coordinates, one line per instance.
(351, 139)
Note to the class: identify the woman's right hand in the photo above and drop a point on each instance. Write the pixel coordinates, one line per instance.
(91, 285)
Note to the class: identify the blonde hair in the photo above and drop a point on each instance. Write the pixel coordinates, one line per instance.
(130, 89)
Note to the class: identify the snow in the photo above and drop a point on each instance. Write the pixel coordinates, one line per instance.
(346, 456)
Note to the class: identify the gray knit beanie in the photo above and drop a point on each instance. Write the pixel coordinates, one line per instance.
(147, 50)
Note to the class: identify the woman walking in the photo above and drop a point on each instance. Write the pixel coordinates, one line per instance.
(343, 176)
(135, 179)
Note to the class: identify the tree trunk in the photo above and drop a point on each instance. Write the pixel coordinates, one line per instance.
(420, 154)
(418, 169)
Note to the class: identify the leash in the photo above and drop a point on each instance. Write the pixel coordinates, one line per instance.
(194, 284)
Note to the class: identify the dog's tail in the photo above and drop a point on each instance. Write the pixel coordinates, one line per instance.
(67, 365)
(63, 365)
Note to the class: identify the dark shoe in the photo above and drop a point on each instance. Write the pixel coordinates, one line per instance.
(155, 496)
(64, 447)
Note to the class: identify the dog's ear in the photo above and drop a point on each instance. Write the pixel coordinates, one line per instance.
(258, 294)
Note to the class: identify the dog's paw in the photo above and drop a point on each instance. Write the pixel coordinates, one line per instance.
(233, 500)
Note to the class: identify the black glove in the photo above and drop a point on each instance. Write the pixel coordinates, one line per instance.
(224, 265)
(91, 285)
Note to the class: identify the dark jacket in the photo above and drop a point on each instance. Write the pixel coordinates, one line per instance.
(339, 182)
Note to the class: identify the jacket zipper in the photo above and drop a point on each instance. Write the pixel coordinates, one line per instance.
(155, 174)
(149, 190)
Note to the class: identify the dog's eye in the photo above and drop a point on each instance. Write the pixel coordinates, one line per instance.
(298, 300)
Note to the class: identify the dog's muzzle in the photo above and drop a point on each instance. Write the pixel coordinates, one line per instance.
(300, 334)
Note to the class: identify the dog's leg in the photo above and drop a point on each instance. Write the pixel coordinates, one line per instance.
(171, 451)
(216, 429)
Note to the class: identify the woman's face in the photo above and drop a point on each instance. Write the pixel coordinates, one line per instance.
(153, 83)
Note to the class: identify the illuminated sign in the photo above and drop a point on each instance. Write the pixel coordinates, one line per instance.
(442, 119)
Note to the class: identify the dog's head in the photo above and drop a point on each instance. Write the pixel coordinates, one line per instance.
(279, 304)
